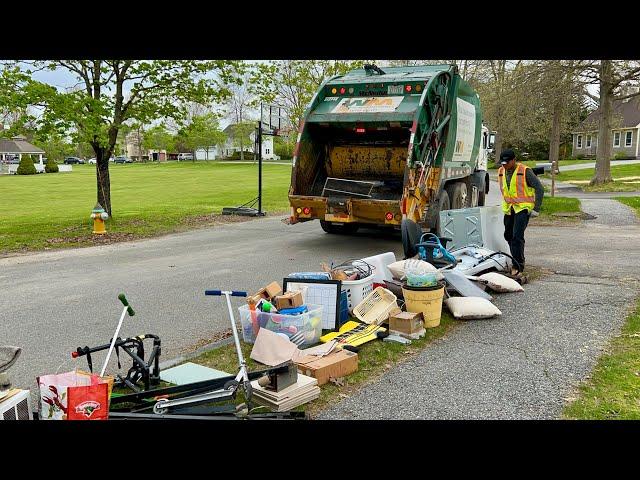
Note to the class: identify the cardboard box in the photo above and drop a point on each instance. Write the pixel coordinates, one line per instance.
(268, 292)
(337, 364)
(406, 322)
(288, 300)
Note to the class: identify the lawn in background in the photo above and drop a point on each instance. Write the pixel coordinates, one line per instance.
(633, 202)
(617, 172)
(533, 163)
(613, 391)
(146, 199)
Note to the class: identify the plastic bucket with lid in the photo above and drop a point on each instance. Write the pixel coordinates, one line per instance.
(425, 300)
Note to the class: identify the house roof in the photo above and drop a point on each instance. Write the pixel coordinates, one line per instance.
(18, 144)
(625, 114)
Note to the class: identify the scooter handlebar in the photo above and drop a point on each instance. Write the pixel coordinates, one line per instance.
(234, 293)
(124, 301)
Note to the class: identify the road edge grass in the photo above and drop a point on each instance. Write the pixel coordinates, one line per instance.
(612, 392)
(558, 211)
(374, 359)
(633, 202)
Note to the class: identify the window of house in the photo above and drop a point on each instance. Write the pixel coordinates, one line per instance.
(267, 150)
(616, 139)
(588, 141)
(579, 141)
(628, 139)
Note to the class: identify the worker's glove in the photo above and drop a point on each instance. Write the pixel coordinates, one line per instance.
(533, 213)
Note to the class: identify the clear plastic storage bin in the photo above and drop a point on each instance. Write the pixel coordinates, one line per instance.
(309, 323)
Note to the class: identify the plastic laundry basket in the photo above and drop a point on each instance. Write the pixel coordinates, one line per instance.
(357, 290)
(425, 300)
(376, 306)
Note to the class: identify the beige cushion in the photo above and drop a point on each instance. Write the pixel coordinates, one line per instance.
(397, 268)
(500, 283)
(465, 308)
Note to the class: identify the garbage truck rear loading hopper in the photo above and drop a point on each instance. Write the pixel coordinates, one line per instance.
(390, 147)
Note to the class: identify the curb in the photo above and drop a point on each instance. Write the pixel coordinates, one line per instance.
(183, 358)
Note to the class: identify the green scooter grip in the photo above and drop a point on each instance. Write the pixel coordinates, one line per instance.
(123, 299)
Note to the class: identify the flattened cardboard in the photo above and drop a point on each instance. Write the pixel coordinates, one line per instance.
(337, 364)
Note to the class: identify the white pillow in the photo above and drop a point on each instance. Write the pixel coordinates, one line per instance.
(500, 283)
(397, 268)
(471, 307)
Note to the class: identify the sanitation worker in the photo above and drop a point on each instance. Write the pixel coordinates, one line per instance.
(522, 195)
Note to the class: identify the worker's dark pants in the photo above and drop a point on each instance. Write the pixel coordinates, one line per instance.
(514, 227)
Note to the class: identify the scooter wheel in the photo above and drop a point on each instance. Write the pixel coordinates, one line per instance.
(231, 385)
(158, 409)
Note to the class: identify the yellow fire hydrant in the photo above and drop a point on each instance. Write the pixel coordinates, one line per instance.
(99, 216)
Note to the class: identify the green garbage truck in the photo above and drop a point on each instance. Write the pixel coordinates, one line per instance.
(390, 147)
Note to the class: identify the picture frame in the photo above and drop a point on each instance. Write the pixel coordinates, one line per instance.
(322, 293)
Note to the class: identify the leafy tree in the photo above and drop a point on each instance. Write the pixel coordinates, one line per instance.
(112, 92)
(292, 83)
(283, 147)
(202, 132)
(158, 138)
(26, 166)
(613, 77)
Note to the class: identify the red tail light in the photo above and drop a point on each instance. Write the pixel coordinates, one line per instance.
(306, 210)
(342, 90)
(389, 216)
(360, 130)
(408, 88)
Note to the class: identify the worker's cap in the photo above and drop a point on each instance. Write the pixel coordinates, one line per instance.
(506, 155)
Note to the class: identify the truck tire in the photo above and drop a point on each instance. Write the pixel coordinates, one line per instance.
(411, 233)
(458, 195)
(344, 229)
(443, 204)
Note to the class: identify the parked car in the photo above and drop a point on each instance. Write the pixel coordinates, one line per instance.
(185, 156)
(123, 160)
(73, 160)
(92, 161)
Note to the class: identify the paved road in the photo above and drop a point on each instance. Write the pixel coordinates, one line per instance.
(53, 302)
(526, 363)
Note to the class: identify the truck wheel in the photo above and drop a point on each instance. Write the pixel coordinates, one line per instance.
(344, 229)
(411, 233)
(459, 195)
(443, 204)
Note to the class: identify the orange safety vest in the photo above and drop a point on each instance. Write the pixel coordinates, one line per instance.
(517, 194)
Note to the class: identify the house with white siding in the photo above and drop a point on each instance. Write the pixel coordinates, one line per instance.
(624, 134)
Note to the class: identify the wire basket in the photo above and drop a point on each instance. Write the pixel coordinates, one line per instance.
(376, 307)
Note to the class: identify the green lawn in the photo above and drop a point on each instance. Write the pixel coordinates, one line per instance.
(613, 391)
(551, 205)
(52, 210)
(633, 202)
(587, 173)
(533, 163)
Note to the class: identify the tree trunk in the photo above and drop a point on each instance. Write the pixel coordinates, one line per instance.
(102, 177)
(603, 151)
(554, 142)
